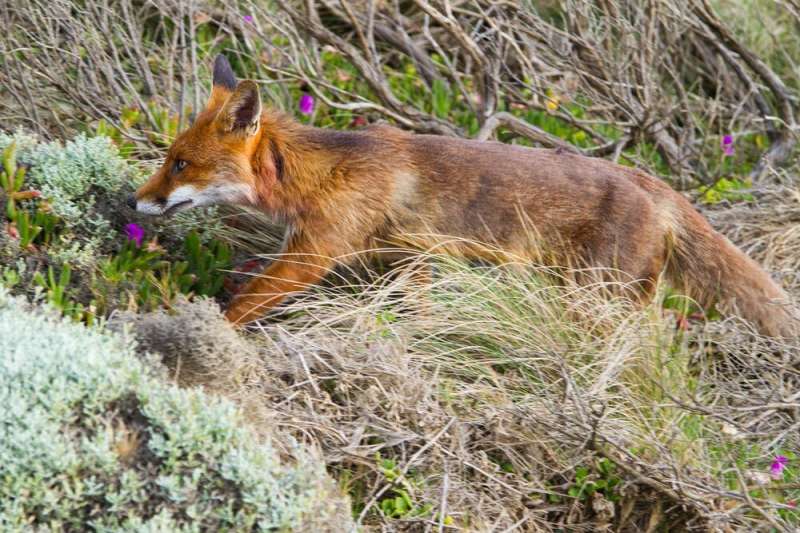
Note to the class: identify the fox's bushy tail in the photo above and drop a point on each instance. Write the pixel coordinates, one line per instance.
(711, 270)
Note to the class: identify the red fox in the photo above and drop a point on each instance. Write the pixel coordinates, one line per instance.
(346, 192)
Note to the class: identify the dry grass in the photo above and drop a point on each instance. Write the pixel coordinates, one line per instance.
(482, 396)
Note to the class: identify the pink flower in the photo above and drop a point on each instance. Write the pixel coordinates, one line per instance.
(248, 19)
(306, 104)
(777, 466)
(727, 145)
(134, 232)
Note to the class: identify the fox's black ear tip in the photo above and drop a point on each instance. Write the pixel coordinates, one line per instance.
(221, 60)
(223, 73)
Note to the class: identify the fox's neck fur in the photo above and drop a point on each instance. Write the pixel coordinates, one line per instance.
(295, 164)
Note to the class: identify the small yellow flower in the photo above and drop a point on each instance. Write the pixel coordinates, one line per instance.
(552, 101)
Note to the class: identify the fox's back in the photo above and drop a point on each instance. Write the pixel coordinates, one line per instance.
(499, 193)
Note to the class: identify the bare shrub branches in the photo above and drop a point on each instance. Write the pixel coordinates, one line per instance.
(65, 63)
(632, 76)
(669, 75)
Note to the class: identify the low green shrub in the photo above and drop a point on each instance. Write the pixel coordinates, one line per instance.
(93, 439)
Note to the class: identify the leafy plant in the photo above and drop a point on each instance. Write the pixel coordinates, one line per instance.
(161, 130)
(38, 225)
(131, 258)
(731, 189)
(166, 124)
(205, 265)
(11, 179)
(161, 287)
(9, 277)
(152, 280)
(133, 270)
(58, 294)
(442, 98)
(602, 478)
(12, 176)
(47, 222)
(129, 117)
(26, 229)
(398, 502)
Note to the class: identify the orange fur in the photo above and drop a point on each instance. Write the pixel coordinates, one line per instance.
(345, 192)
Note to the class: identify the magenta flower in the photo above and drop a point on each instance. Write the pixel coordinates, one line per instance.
(727, 145)
(134, 232)
(306, 104)
(248, 19)
(777, 466)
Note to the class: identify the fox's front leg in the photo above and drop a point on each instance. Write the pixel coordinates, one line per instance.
(293, 271)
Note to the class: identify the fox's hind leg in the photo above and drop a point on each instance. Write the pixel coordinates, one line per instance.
(417, 274)
(411, 272)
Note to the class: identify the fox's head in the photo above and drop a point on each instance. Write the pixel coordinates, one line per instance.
(212, 161)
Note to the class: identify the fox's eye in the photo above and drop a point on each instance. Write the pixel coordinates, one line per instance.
(180, 164)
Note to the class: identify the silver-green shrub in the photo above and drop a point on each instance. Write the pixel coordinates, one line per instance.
(26, 142)
(92, 439)
(76, 178)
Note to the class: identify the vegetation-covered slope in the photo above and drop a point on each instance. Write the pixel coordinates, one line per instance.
(94, 439)
(497, 398)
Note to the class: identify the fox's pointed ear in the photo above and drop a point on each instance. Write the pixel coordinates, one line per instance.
(242, 112)
(224, 82)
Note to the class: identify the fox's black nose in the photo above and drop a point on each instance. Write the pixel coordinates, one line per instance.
(131, 201)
